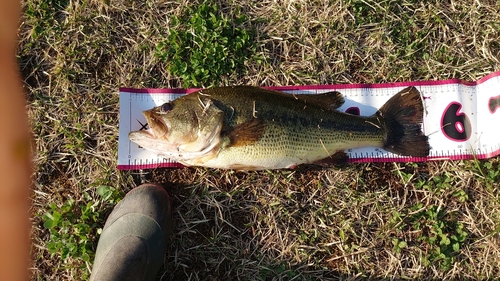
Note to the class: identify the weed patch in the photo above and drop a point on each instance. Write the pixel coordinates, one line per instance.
(204, 46)
(438, 233)
(43, 14)
(72, 230)
(74, 226)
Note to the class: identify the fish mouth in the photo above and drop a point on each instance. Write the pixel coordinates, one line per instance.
(158, 127)
(154, 139)
(157, 139)
(136, 136)
(148, 140)
(155, 133)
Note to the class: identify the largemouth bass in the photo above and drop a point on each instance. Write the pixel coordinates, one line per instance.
(250, 128)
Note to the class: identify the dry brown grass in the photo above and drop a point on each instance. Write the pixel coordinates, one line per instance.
(307, 224)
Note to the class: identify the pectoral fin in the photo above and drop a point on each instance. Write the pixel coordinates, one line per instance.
(247, 132)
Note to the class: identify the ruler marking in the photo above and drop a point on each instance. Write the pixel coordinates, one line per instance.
(476, 98)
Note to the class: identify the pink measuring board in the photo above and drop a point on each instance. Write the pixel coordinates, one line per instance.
(461, 118)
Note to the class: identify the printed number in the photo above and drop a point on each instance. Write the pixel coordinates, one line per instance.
(493, 104)
(353, 111)
(455, 124)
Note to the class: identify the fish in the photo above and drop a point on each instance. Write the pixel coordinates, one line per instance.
(252, 128)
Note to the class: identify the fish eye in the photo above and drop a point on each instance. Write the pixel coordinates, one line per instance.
(166, 107)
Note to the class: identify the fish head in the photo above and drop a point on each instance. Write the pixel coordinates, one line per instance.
(186, 128)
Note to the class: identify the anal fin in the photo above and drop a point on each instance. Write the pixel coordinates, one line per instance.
(339, 157)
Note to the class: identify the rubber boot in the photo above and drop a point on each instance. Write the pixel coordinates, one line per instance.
(132, 245)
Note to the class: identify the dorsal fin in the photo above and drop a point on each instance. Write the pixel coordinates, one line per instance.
(247, 132)
(329, 100)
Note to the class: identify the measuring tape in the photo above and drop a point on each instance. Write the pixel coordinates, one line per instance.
(460, 118)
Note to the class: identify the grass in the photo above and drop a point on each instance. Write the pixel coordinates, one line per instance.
(438, 220)
(204, 46)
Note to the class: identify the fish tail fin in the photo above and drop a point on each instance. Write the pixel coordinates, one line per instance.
(402, 115)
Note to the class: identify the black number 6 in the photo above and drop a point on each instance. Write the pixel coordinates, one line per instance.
(455, 124)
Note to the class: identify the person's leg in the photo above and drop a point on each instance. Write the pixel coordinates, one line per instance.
(133, 241)
(15, 152)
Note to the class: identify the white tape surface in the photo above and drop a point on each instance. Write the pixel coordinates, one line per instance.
(461, 118)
